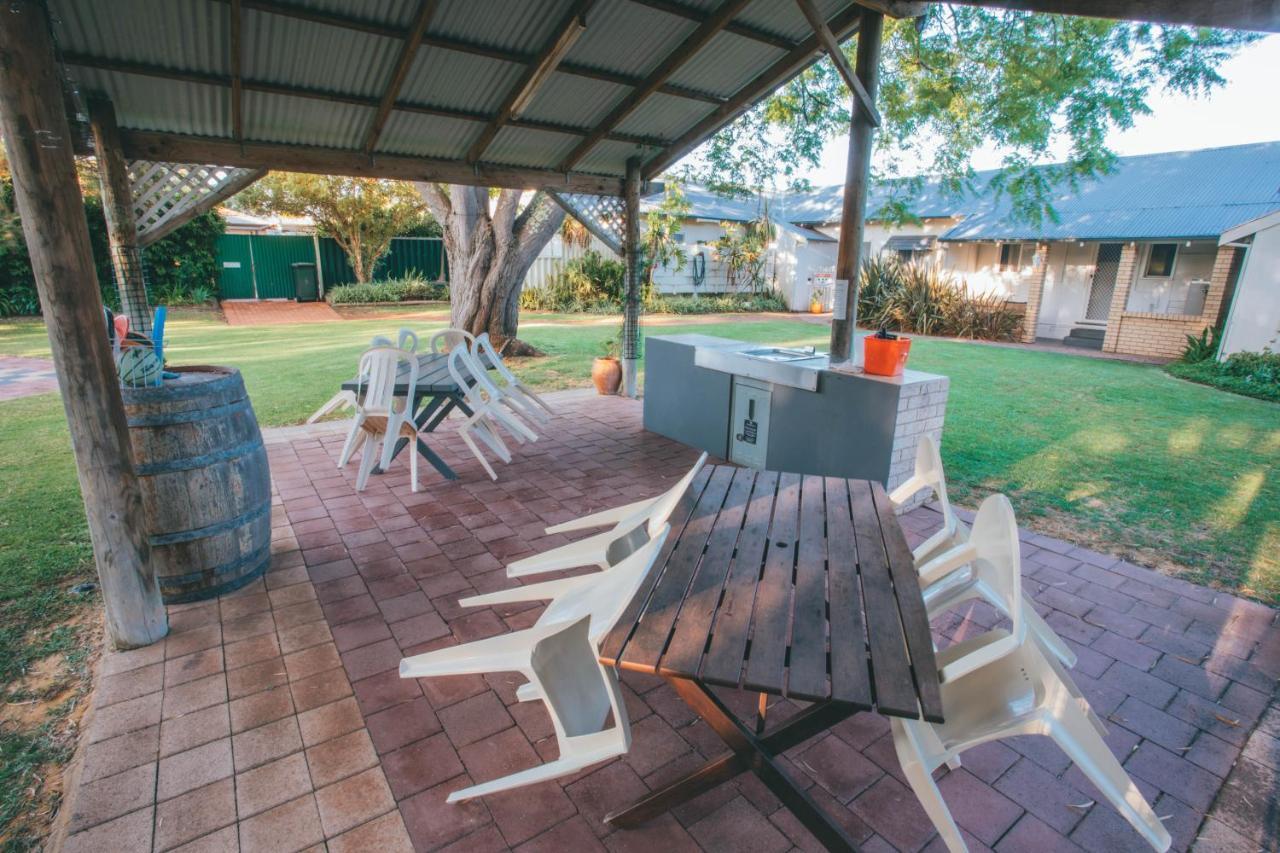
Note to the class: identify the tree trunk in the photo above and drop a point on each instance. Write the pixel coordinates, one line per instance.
(490, 252)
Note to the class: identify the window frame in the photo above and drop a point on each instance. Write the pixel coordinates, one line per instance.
(1016, 267)
(1173, 262)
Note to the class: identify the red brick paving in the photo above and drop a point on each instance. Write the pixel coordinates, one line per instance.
(276, 312)
(274, 719)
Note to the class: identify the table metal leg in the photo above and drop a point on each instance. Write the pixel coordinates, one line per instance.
(750, 752)
(424, 421)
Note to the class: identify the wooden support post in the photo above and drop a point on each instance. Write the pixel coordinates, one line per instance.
(856, 179)
(631, 301)
(117, 206)
(48, 198)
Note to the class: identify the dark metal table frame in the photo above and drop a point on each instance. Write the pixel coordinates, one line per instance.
(782, 585)
(443, 395)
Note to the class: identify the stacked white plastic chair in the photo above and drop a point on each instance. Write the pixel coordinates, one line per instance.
(520, 394)
(998, 685)
(382, 418)
(939, 557)
(347, 399)
(559, 657)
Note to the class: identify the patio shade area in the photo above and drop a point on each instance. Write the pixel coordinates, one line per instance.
(274, 718)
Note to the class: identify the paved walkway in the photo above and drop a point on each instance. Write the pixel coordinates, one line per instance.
(24, 377)
(274, 719)
(276, 312)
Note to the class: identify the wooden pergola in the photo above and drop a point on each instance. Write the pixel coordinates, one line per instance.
(191, 100)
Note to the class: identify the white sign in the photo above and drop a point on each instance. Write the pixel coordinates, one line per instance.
(840, 299)
(231, 265)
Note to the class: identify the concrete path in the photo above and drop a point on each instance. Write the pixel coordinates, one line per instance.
(24, 377)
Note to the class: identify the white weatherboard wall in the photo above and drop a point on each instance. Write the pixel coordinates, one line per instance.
(1066, 288)
(1254, 321)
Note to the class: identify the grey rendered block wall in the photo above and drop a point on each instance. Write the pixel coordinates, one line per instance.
(683, 401)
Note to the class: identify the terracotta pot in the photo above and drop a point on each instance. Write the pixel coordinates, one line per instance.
(606, 373)
(815, 308)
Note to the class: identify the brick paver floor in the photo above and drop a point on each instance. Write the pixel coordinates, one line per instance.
(274, 719)
(276, 312)
(23, 377)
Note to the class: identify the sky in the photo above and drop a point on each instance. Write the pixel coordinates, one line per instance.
(1241, 111)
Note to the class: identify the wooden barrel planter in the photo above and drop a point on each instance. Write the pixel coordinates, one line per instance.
(206, 486)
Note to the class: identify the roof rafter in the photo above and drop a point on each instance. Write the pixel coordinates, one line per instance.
(843, 24)
(736, 27)
(426, 8)
(693, 43)
(235, 49)
(316, 16)
(248, 85)
(535, 74)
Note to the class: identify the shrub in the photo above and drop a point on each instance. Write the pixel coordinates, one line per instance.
(405, 289)
(925, 299)
(591, 283)
(1254, 374)
(1201, 348)
(719, 303)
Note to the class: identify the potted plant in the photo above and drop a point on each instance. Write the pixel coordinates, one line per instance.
(606, 370)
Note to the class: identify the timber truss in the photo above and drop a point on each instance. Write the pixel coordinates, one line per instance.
(168, 195)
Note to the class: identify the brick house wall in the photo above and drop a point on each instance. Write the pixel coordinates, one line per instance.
(1161, 335)
(1035, 289)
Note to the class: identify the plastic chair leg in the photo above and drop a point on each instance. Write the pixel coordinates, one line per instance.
(926, 790)
(354, 437)
(465, 432)
(368, 458)
(541, 773)
(1049, 639)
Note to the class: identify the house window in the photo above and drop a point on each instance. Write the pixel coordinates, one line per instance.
(1160, 260)
(1011, 257)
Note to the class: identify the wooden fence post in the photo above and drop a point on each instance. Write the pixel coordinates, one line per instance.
(48, 199)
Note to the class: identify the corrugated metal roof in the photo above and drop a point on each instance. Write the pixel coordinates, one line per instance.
(172, 106)
(520, 27)
(447, 78)
(304, 121)
(518, 146)
(628, 38)
(723, 65)
(566, 98)
(398, 13)
(785, 19)
(664, 116)
(609, 157)
(187, 34)
(1182, 194)
(301, 53)
(427, 136)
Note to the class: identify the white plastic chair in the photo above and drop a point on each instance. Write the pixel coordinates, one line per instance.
(530, 403)
(558, 656)
(347, 399)
(408, 340)
(382, 418)
(485, 415)
(451, 339)
(1021, 693)
(632, 524)
(929, 475)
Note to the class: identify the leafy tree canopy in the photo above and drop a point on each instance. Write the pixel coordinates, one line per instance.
(960, 78)
(361, 214)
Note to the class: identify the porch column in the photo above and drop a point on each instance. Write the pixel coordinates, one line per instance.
(1035, 292)
(48, 199)
(857, 176)
(1120, 296)
(1218, 282)
(117, 206)
(631, 300)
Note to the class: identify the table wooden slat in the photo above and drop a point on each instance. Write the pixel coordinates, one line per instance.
(892, 677)
(915, 618)
(617, 640)
(689, 638)
(770, 622)
(807, 671)
(850, 679)
(722, 663)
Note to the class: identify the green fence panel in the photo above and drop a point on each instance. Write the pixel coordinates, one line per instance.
(273, 257)
(421, 255)
(235, 267)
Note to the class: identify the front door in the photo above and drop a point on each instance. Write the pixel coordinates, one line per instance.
(235, 267)
(1104, 282)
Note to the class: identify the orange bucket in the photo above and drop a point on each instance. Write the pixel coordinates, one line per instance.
(885, 357)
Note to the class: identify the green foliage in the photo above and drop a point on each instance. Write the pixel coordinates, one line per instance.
(182, 268)
(743, 249)
(591, 283)
(1201, 348)
(662, 224)
(361, 214)
(925, 299)
(405, 289)
(959, 79)
(720, 303)
(1253, 374)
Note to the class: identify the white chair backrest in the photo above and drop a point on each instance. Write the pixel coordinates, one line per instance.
(471, 377)
(484, 350)
(609, 592)
(997, 564)
(381, 341)
(378, 370)
(408, 340)
(666, 503)
(451, 338)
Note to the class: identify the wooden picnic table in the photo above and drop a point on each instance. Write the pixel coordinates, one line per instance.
(783, 585)
(442, 396)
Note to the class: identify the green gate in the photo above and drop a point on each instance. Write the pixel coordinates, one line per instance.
(235, 267)
(272, 259)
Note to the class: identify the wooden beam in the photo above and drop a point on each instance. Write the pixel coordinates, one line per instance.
(857, 179)
(160, 72)
(208, 202)
(797, 59)
(693, 43)
(896, 8)
(408, 50)
(631, 299)
(178, 148)
(38, 143)
(747, 31)
(237, 93)
(566, 32)
(207, 79)
(1261, 15)
(117, 209)
(832, 47)
(346, 22)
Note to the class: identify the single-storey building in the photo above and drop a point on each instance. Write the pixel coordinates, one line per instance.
(1252, 323)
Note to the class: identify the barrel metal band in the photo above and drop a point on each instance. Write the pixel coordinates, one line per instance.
(213, 529)
(188, 463)
(192, 416)
(253, 558)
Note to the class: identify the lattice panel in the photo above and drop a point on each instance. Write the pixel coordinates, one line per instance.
(163, 192)
(603, 215)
